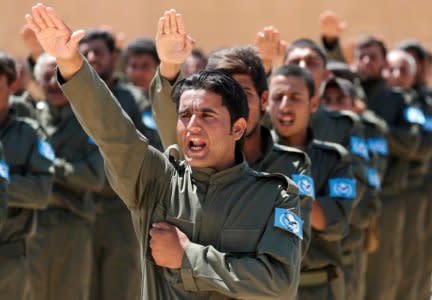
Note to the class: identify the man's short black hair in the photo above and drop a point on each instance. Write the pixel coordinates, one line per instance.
(308, 44)
(99, 34)
(414, 47)
(7, 67)
(369, 41)
(232, 94)
(199, 54)
(240, 60)
(141, 46)
(292, 70)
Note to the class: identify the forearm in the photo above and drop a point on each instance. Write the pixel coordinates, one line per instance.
(30, 191)
(333, 49)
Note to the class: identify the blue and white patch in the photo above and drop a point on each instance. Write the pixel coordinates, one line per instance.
(45, 150)
(342, 188)
(378, 146)
(148, 120)
(359, 147)
(427, 126)
(288, 221)
(4, 170)
(374, 179)
(414, 115)
(305, 185)
(91, 141)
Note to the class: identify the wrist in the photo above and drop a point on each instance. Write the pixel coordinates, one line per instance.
(69, 66)
(169, 71)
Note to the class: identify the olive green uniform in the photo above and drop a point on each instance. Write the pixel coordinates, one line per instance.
(321, 270)
(363, 236)
(384, 269)
(60, 253)
(236, 249)
(30, 161)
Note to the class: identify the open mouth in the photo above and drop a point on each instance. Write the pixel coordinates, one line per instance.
(286, 120)
(196, 145)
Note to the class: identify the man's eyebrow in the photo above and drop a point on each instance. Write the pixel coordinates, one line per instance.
(201, 110)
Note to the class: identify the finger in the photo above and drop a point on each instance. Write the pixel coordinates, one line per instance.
(190, 41)
(267, 37)
(166, 23)
(46, 17)
(180, 24)
(162, 225)
(37, 16)
(54, 17)
(276, 35)
(32, 24)
(161, 25)
(76, 38)
(173, 21)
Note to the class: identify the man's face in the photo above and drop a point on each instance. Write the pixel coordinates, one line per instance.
(5, 92)
(99, 56)
(48, 82)
(398, 74)
(204, 130)
(310, 60)
(369, 62)
(255, 102)
(289, 106)
(140, 70)
(421, 69)
(334, 99)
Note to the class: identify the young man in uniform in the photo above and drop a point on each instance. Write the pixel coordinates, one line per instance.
(60, 254)
(203, 228)
(290, 109)
(28, 169)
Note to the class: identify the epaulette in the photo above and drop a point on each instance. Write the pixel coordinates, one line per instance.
(287, 183)
(35, 125)
(346, 114)
(370, 117)
(341, 151)
(301, 154)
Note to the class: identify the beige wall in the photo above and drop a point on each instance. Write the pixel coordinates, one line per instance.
(216, 23)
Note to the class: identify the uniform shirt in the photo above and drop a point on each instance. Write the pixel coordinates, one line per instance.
(236, 249)
(78, 166)
(30, 162)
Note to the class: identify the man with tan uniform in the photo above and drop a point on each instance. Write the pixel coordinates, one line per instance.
(203, 228)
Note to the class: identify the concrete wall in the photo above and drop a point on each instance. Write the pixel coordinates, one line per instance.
(216, 23)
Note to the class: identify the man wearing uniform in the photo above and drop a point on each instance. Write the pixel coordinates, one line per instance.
(60, 253)
(291, 92)
(223, 241)
(244, 65)
(28, 169)
(423, 161)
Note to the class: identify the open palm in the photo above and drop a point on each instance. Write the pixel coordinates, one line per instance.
(54, 36)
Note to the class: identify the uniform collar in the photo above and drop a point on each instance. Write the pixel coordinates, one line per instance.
(266, 143)
(279, 140)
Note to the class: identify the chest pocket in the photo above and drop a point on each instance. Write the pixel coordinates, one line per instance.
(240, 240)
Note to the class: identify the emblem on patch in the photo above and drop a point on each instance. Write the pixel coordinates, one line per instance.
(288, 221)
(4, 170)
(46, 150)
(359, 147)
(305, 185)
(374, 178)
(414, 115)
(342, 188)
(378, 146)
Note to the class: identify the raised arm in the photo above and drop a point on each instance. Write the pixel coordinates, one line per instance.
(270, 48)
(332, 27)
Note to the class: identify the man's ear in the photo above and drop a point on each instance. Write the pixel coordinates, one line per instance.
(264, 101)
(314, 103)
(239, 128)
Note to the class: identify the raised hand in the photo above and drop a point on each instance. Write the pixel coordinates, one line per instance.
(31, 42)
(172, 43)
(270, 47)
(331, 25)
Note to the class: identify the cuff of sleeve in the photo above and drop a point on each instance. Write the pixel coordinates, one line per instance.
(191, 256)
(329, 43)
(61, 81)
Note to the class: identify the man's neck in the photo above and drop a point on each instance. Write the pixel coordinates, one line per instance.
(253, 148)
(298, 140)
(4, 114)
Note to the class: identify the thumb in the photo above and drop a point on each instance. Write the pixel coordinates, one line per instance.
(162, 225)
(343, 25)
(76, 37)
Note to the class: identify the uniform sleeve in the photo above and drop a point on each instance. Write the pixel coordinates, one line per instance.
(337, 210)
(271, 273)
(131, 164)
(403, 141)
(86, 174)
(333, 49)
(164, 109)
(32, 187)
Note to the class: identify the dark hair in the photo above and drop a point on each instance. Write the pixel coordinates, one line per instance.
(98, 34)
(308, 44)
(232, 94)
(199, 54)
(240, 60)
(370, 41)
(141, 46)
(414, 47)
(7, 67)
(298, 72)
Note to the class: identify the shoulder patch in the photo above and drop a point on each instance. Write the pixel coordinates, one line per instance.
(344, 188)
(359, 147)
(148, 120)
(45, 150)
(333, 147)
(427, 126)
(378, 146)
(4, 170)
(305, 185)
(374, 178)
(414, 115)
(288, 221)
